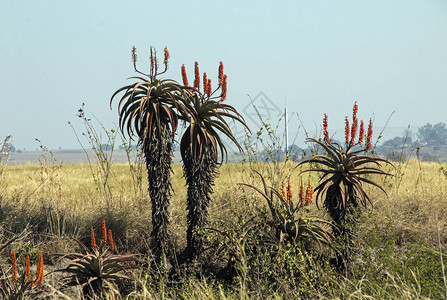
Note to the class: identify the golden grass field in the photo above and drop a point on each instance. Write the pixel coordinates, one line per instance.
(59, 201)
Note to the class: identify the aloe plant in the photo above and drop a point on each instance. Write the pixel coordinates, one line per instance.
(149, 108)
(201, 145)
(97, 267)
(345, 171)
(289, 221)
(26, 286)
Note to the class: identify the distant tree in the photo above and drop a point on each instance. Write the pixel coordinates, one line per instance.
(106, 147)
(433, 135)
(397, 142)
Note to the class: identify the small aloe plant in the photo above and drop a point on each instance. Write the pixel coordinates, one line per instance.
(345, 171)
(15, 287)
(290, 224)
(98, 267)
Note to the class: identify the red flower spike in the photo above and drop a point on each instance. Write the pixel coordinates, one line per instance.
(289, 192)
(14, 267)
(224, 88)
(92, 237)
(309, 194)
(27, 268)
(302, 195)
(354, 130)
(283, 191)
(104, 231)
(361, 133)
(39, 275)
(354, 123)
(220, 73)
(369, 136)
(205, 82)
(346, 130)
(197, 76)
(112, 246)
(184, 77)
(209, 88)
(325, 131)
(166, 56)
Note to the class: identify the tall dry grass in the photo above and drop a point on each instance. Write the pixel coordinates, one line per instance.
(56, 201)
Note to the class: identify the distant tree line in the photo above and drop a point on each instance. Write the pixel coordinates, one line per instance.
(433, 135)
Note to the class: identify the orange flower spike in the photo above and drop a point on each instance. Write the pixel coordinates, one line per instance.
(39, 275)
(104, 231)
(362, 132)
(197, 76)
(209, 87)
(205, 82)
(112, 246)
(27, 268)
(302, 195)
(369, 136)
(346, 130)
(166, 56)
(224, 88)
(325, 131)
(283, 191)
(92, 237)
(354, 123)
(184, 77)
(14, 268)
(220, 73)
(309, 194)
(289, 192)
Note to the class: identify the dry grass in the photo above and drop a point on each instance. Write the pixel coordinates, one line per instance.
(61, 201)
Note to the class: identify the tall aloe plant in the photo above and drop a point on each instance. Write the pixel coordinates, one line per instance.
(149, 108)
(345, 171)
(200, 147)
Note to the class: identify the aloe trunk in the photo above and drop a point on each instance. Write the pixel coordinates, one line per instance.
(199, 173)
(158, 154)
(345, 218)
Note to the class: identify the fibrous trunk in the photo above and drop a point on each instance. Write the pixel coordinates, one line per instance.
(200, 174)
(345, 218)
(158, 153)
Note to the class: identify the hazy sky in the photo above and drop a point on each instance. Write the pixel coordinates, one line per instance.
(319, 55)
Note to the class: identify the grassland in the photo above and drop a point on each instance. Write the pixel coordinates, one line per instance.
(396, 247)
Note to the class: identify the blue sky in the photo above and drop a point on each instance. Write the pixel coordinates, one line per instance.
(319, 55)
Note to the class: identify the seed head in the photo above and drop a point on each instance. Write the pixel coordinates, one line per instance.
(134, 56)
